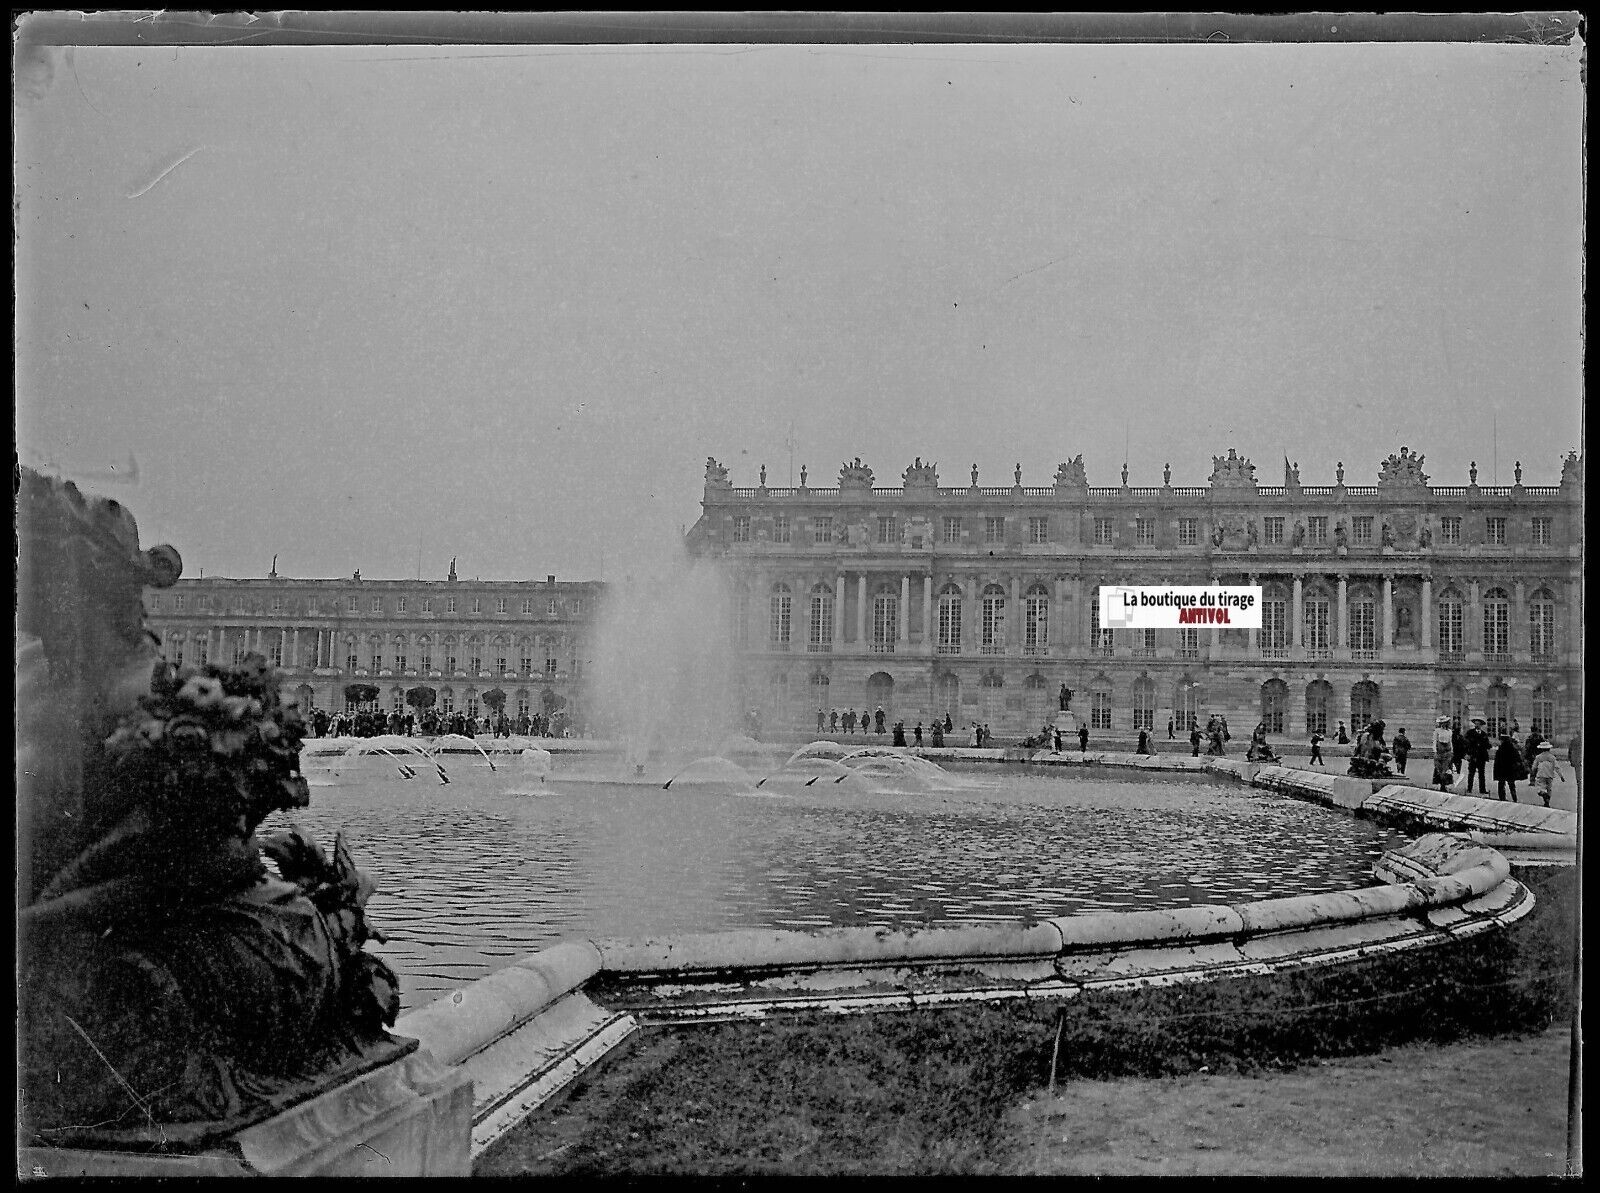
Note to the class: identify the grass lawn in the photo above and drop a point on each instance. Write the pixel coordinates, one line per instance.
(1440, 1061)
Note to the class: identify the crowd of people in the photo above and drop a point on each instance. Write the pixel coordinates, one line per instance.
(1514, 759)
(431, 722)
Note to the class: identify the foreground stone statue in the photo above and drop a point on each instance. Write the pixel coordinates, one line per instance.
(172, 989)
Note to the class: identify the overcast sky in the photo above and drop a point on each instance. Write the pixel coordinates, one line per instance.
(360, 307)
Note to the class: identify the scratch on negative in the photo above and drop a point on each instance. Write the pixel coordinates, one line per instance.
(167, 171)
(375, 1151)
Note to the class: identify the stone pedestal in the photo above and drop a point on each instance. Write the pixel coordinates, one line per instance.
(412, 1117)
(1067, 723)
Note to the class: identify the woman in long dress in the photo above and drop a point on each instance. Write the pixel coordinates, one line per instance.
(1444, 767)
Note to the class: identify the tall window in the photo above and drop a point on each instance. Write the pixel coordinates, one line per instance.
(277, 605)
(177, 602)
(1318, 619)
(1496, 622)
(1453, 702)
(1539, 532)
(888, 530)
(525, 657)
(527, 605)
(449, 604)
(175, 651)
(1274, 705)
(1186, 702)
(780, 529)
(778, 618)
(1363, 633)
(1497, 709)
(350, 604)
(501, 604)
(377, 660)
(447, 700)
(1104, 532)
(1542, 624)
(399, 654)
(1188, 643)
(949, 620)
(1544, 712)
(1100, 641)
(477, 604)
(1319, 699)
(1188, 531)
(450, 658)
(1361, 530)
(993, 627)
(822, 530)
(425, 653)
(275, 652)
(1144, 532)
(1036, 620)
(1100, 705)
(1495, 531)
(400, 604)
(427, 604)
(1450, 531)
(994, 530)
(821, 622)
(552, 609)
(240, 649)
(474, 655)
(377, 604)
(500, 663)
(1272, 535)
(1317, 530)
(1452, 623)
(741, 528)
(1039, 529)
(1274, 624)
(952, 530)
(1144, 703)
(885, 610)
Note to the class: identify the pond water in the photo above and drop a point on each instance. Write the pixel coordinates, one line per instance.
(471, 876)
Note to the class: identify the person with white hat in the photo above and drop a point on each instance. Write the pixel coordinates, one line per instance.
(1444, 775)
(1545, 770)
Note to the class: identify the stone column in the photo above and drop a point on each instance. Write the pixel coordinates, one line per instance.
(1425, 616)
(1255, 635)
(1388, 613)
(283, 644)
(861, 612)
(1343, 622)
(296, 651)
(927, 611)
(1014, 618)
(902, 621)
(1297, 633)
(838, 611)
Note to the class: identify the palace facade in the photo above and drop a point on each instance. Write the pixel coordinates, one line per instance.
(1398, 600)
(340, 643)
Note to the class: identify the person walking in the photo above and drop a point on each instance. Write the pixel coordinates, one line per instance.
(916, 734)
(878, 719)
(949, 725)
(1530, 748)
(1344, 735)
(938, 734)
(1144, 743)
(1477, 744)
(1316, 751)
(822, 719)
(1171, 725)
(1402, 749)
(1444, 762)
(1194, 736)
(1545, 771)
(1507, 766)
(1083, 737)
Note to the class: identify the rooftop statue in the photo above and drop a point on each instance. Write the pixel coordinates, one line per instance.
(1232, 471)
(716, 475)
(1572, 469)
(1070, 474)
(920, 476)
(855, 475)
(1291, 474)
(1402, 469)
(154, 945)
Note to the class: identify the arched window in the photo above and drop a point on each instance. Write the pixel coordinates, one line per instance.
(1186, 702)
(1496, 622)
(1452, 635)
(525, 656)
(375, 652)
(452, 661)
(820, 628)
(993, 627)
(425, 654)
(1319, 701)
(1274, 637)
(1318, 622)
(1036, 699)
(501, 655)
(885, 618)
(819, 689)
(1101, 642)
(400, 660)
(1542, 624)
(397, 699)
(352, 661)
(524, 703)
(949, 620)
(1453, 703)
(1275, 705)
(1544, 711)
(1100, 703)
(1364, 705)
(472, 702)
(1036, 620)
(172, 649)
(992, 689)
(474, 658)
(1144, 703)
(779, 614)
(1497, 709)
(949, 689)
(447, 700)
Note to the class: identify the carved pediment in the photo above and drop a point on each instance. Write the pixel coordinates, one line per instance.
(1232, 471)
(855, 475)
(920, 475)
(716, 475)
(1070, 474)
(1404, 469)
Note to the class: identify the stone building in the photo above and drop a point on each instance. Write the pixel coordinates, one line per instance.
(462, 638)
(1398, 599)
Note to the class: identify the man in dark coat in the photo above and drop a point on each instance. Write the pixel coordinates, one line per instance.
(1458, 743)
(1477, 747)
(1402, 748)
(1083, 736)
(1194, 737)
